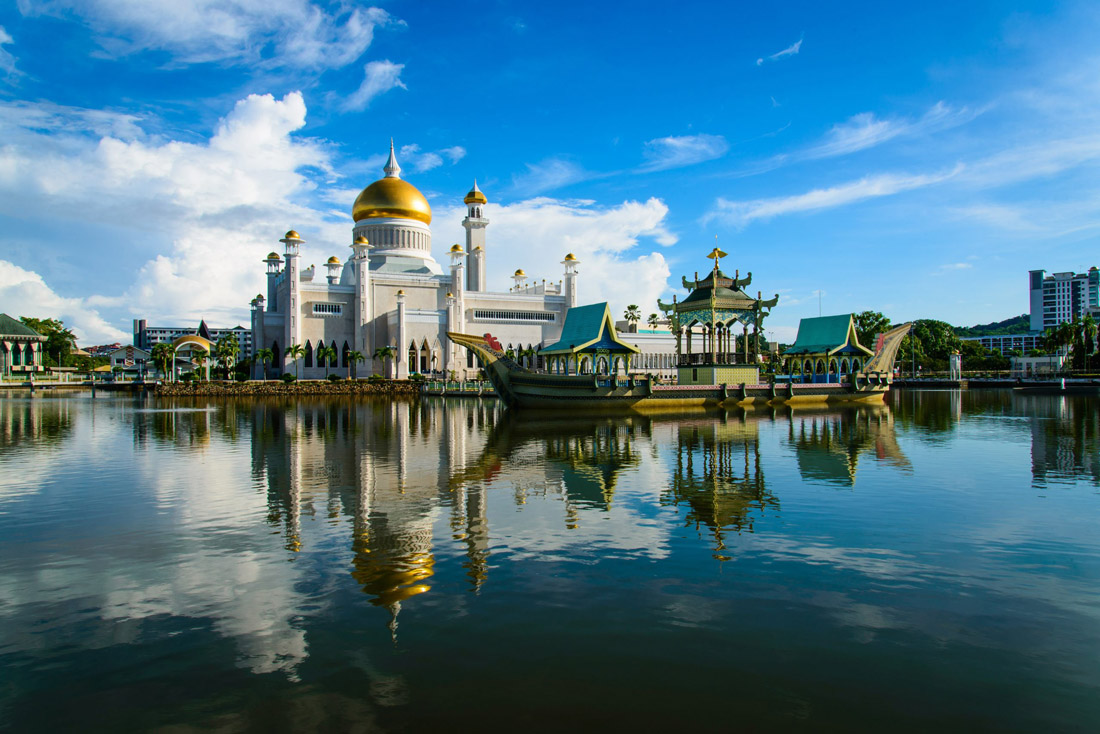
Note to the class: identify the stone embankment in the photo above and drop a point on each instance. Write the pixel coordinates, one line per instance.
(278, 387)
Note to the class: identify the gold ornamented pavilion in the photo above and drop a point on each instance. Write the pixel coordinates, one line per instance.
(712, 311)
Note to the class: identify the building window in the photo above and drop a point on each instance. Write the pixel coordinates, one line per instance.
(490, 315)
(328, 309)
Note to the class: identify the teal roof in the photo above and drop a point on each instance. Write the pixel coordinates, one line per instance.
(15, 327)
(826, 335)
(585, 326)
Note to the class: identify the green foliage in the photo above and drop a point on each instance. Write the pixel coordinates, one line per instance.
(417, 377)
(240, 376)
(653, 320)
(163, 356)
(375, 378)
(334, 378)
(59, 340)
(189, 377)
(933, 341)
(288, 378)
(868, 325)
(1015, 325)
(226, 350)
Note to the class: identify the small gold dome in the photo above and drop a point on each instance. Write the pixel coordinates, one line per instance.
(391, 197)
(273, 256)
(292, 235)
(361, 240)
(520, 274)
(400, 292)
(259, 297)
(477, 249)
(570, 258)
(475, 196)
(450, 295)
(456, 248)
(334, 260)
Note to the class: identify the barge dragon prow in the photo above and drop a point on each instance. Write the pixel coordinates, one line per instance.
(521, 387)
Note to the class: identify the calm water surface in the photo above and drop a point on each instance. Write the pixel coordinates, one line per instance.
(352, 565)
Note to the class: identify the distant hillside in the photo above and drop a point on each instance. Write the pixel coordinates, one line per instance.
(1015, 325)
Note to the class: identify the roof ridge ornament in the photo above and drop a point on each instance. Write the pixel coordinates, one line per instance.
(391, 169)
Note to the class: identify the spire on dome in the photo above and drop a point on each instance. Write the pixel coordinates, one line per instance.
(392, 169)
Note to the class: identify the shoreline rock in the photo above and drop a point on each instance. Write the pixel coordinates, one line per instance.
(278, 387)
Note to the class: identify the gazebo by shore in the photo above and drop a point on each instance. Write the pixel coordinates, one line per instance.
(827, 349)
(589, 344)
(713, 309)
(21, 348)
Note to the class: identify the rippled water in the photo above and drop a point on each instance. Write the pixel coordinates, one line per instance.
(362, 565)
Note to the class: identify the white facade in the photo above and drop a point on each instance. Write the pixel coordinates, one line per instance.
(1058, 298)
(392, 293)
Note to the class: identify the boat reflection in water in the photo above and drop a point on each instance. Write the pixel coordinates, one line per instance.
(828, 445)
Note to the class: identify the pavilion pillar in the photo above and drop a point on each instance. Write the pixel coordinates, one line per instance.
(746, 335)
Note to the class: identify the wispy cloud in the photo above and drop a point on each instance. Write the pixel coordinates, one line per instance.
(791, 50)
(420, 161)
(289, 33)
(7, 60)
(952, 267)
(379, 77)
(741, 213)
(864, 130)
(684, 150)
(549, 174)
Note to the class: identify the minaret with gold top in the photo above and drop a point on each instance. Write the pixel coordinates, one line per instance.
(475, 224)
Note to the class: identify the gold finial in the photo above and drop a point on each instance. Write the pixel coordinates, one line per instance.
(715, 254)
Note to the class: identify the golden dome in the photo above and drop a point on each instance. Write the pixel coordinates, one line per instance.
(391, 197)
(450, 295)
(570, 258)
(456, 248)
(292, 235)
(273, 256)
(361, 240)
(520, 274)
(334, 260)
(475, 196)
(400, 292)
(259, 297)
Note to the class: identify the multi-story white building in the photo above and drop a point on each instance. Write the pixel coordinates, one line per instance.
(1060, 297)
(1005, 343)
(145, 336)
(392, 293)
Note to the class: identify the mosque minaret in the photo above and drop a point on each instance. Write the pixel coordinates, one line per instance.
(391, 292)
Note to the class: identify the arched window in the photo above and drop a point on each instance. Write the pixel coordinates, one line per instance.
(309, 354)
(344, 355)
(336, 351)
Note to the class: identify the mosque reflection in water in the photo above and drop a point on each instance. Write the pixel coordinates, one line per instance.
(392, 466)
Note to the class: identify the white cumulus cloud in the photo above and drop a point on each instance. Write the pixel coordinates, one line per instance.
(615, 245)
(25, 293)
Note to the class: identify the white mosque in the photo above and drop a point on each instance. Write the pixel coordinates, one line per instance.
(391, 292)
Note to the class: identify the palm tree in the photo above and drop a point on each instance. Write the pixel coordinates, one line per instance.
(353, 359)
(653, 320)
(383, 354)
(265, 356)
(295, 352)
(163, 356)
(633, 315)
(329, 354)
(199, 356)
(227, 350)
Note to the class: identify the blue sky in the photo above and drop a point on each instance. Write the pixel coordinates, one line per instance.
(916, 160)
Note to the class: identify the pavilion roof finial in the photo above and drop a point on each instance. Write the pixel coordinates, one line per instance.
(392, 169)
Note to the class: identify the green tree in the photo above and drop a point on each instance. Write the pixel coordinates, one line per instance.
(653, 321)
(199, 357)
(227, 350)
(59, 340)
(329, 355)
(295, 352)
(929, 344)
(163, 356)
(265, 356)
(354, 358)
(384, 354)
(868, 325)
(632, 315)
